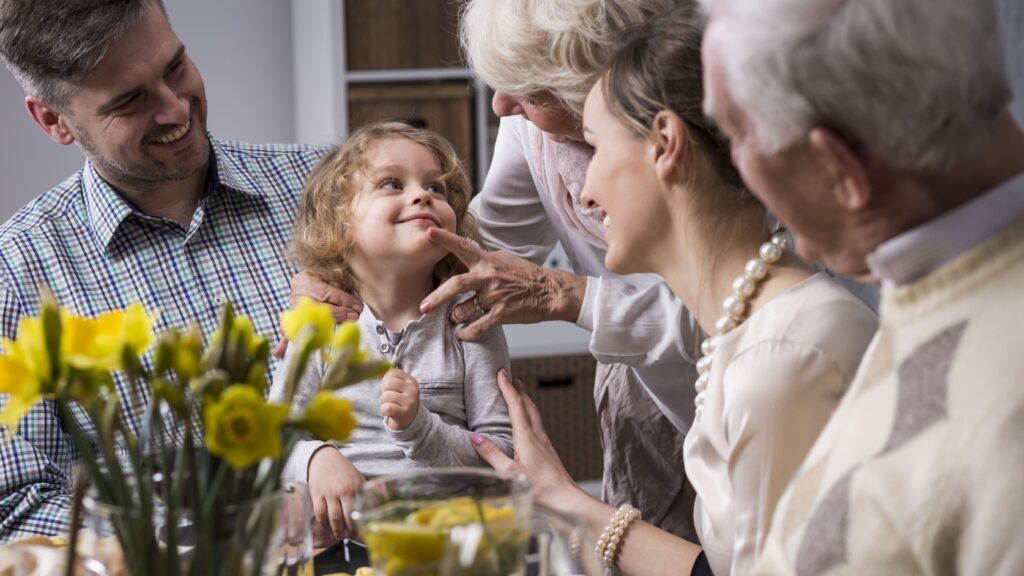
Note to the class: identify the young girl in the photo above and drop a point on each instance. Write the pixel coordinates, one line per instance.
(362, 226)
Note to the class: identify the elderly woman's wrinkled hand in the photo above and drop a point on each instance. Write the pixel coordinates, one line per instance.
(509, 289)
(535, 457)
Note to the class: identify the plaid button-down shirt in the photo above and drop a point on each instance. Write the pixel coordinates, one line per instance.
(97, 253)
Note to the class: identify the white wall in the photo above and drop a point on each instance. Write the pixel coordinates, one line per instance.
(243, 49)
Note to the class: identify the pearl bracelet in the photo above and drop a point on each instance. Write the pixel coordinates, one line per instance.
(608, 544)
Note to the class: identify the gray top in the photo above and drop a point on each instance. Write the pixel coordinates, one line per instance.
(458, 394)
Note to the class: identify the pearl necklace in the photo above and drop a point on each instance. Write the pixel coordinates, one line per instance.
(735, 307)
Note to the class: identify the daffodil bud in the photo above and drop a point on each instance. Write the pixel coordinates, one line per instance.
(187, 356)
(50, 323)
(163, 356)
(169, 393)
(347, 335)
(328, 417)
(308, 320)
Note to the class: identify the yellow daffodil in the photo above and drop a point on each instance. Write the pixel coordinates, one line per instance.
(30, 348)
(328, 417)
(25, 371)
(101, 342)
(311, 316)
(137, 328)
(242, 428)
(22, 388)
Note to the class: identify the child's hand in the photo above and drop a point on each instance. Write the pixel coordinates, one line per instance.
(333, 481)
(399, 399)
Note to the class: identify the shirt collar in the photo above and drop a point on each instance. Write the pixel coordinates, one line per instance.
(233, 173)
(107, 209)
(924, 249)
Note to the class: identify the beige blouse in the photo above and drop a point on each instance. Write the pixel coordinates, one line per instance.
(774, 383)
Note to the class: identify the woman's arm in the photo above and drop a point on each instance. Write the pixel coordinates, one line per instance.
(645, 550)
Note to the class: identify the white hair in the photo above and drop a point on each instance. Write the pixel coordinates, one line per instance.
(527, 47)
(919, 83)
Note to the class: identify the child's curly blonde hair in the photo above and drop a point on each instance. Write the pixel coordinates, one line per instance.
(323, 238)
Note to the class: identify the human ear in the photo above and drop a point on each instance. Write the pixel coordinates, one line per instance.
(50, 120)
(668, 139)
(845, 169)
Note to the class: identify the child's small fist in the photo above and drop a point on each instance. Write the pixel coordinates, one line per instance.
(399, 399)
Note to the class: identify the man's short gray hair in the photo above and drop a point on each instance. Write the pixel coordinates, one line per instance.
(918, 83)
(526, 47)
(48, 43)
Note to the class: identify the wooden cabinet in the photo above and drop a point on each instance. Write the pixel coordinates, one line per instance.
(562, 387)
(361, 61)
(444, 107)
(398, 34)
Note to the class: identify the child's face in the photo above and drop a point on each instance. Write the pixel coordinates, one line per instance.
(400, 196)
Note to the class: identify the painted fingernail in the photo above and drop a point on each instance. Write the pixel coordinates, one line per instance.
(476, 439)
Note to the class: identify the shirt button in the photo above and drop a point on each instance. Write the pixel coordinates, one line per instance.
(385, 347)
(380, 329)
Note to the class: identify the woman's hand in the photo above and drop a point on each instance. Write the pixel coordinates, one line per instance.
(399, 399)
(535, 457)
(344, 306)
(509, 289)
(333, 481)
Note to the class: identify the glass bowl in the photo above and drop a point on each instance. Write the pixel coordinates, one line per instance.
(450, 521)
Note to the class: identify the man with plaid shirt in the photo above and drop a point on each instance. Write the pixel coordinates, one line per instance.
(161, 213)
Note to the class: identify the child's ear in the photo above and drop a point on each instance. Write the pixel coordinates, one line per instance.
(845, 169)
(668, 143)
(50, 120)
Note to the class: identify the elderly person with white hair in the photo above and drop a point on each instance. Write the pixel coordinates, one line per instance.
(542, 57)
(879, 131)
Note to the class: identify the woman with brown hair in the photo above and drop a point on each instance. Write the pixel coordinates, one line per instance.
(783, 341)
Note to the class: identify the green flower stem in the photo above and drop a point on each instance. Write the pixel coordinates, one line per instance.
(135, 542)
(170, 497)
(213, 496)
(272, 481)
(304, 344)
(85, 450)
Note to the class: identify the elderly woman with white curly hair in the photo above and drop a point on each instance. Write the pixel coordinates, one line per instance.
(542, 57)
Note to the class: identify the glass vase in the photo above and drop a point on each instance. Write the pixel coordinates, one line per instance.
(261, 537)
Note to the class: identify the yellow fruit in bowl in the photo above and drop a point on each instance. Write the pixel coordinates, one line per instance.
(416, 544)
(464, 510)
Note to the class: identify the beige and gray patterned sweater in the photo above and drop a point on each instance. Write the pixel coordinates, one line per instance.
(921, 469)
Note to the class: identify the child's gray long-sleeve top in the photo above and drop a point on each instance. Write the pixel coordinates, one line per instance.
(458, 394)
